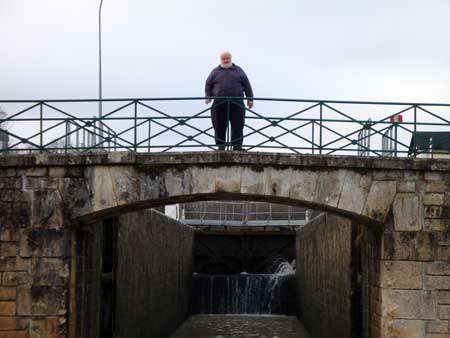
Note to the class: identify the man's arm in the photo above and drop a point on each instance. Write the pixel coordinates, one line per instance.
(209, 86)
(248, 90)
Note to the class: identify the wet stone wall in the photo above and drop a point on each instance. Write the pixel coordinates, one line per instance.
(324, 277)
(154, 270)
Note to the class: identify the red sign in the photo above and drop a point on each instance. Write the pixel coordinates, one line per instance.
(396, 118)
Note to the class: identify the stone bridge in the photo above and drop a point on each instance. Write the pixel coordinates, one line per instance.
(47, 200)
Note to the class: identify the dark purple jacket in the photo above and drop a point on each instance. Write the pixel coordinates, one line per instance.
(228, 82)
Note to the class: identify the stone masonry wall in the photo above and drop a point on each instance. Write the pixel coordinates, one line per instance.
(154, 273)
(324, 276)
(43, 197)
(34, 255)
(414, 269)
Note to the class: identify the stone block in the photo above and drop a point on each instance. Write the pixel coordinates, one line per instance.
(9, 235)
(393, 275)
(12, 183)
(408, 212)
(50, 327)
(14, 264)
(102, 188)
(406, 186)
(444, 311)
(228, 179)
(437, 282)
(8, 249)
(43, 242)
(434, 224)
(7, 308)
(433, 176)
(433, 199)
(126, 185)
(177, 183)
(329, 187)
(379, 199)
(444, 238)
(20, 215)
(409, 246)
(47, 208)
(438, 335)
(405, 329)
(76, 197)
(16, 278)
(277, 182)
(433, 211)
(304, 185)
(36, 171)
(14, 334)
(41, 183)
(56, 172)
(50, 271)
(7, 293)
(408, 304)
(443, 297)
(443, 253)
(251, 182)
(387, 175)
(41, 301)
(438, 268)
(354, 192)
(436, 187)
(203, 180)
(11, 323)
(437, 326)
(152, 186)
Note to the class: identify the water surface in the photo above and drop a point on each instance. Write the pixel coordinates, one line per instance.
(241, 326)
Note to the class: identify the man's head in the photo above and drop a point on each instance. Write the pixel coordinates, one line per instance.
(225, 59)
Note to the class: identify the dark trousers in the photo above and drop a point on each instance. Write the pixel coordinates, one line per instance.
(234, 112)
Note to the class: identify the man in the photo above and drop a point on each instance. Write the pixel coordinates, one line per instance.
(227, 79)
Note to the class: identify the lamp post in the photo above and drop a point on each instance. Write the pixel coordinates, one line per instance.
(100, 94)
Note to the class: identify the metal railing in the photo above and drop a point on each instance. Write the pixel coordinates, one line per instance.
(175, 124)
(241, 213)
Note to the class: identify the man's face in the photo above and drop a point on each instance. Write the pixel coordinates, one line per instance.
(225, 59)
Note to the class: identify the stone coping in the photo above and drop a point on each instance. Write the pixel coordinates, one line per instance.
(224, 158)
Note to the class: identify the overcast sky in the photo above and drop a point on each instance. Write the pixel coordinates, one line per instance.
(396, 50)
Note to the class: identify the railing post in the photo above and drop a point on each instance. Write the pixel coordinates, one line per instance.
(149, 134)
(395, 138)
(66, 143)
(228, 126)
(135, 126)
(415, 131)
(320, 128)
(41, 127)
(312, 136)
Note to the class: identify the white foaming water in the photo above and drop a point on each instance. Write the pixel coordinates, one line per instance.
(246, 293)
(284, 269)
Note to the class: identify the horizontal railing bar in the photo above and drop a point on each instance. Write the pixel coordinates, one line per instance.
(176, 118)
(391, 103)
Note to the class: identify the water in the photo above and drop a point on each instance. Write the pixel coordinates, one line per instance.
(270, 293)
(242, 326)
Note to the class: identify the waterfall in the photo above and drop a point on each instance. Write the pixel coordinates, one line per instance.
(244, 293)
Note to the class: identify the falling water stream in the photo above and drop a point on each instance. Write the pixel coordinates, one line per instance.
(244, 306)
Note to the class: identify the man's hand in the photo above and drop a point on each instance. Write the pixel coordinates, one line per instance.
(250, 104)
(207, 101)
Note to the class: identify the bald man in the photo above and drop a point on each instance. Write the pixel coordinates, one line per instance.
(227, 79)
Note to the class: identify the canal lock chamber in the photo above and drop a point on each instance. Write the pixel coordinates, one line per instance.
(157, 273)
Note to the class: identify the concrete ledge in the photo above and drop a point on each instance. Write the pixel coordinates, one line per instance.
(225, 157)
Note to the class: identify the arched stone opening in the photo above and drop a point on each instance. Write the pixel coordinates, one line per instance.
(357, 222)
